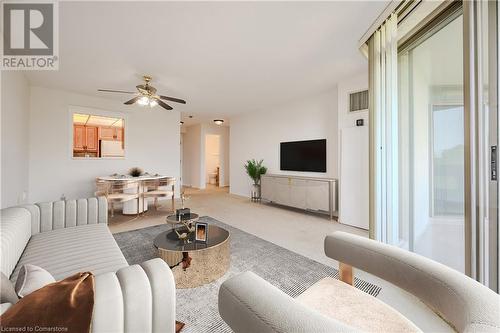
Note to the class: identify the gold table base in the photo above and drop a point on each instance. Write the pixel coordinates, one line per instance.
(206, 265)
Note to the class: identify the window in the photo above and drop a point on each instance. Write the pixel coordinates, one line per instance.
(431, 144)
(447, 160)
(98, 136)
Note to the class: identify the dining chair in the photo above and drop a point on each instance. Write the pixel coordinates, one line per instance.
(159, 188)
(119, 191)
(101, 187)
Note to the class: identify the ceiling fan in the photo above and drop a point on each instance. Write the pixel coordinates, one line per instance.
(146, 95)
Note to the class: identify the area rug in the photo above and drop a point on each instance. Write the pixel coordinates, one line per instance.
(197, 307)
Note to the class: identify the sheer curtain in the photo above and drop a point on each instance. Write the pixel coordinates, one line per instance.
(382, 59)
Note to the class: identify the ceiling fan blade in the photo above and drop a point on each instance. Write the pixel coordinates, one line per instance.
(133, 100)
(164, 105)
(116, 91)
(173, 99)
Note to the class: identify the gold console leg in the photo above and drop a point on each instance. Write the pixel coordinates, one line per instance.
(345, 273)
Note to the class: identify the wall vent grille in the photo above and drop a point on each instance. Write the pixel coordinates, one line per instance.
(358, 101)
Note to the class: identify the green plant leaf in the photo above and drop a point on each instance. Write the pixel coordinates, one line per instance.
(255, 170)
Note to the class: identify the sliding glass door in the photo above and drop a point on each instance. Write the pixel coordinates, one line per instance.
(434, 161)
(431, 143)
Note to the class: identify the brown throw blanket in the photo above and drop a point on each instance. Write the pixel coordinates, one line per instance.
(63, 306)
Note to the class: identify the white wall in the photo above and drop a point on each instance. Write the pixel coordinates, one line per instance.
(15, 138)
(352, 84)
(353, 187)
(258, 135)
(191, 147)
(151, 139)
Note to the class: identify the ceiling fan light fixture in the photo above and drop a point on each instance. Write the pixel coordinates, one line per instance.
(143, 100)
(218, 121)
(146, 95)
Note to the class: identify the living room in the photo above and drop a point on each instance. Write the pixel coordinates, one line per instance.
(248, 167)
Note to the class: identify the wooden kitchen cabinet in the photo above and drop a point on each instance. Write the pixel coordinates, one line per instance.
(91, 136)
(106, 133)
(79, 137)
(85, 138)
(111, 133)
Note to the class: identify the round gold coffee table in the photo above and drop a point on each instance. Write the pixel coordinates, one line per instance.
(195, 263)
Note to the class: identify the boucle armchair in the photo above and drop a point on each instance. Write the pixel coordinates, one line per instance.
(249, 304)
(66, 237)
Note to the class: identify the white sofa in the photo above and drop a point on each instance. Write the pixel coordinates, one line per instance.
(65, 237)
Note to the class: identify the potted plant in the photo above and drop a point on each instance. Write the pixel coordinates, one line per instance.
(255, 169)
(135, 172)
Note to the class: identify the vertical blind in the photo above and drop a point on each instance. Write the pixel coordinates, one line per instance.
(383, 90)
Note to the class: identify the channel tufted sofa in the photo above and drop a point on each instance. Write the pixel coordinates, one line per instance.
(66, 237)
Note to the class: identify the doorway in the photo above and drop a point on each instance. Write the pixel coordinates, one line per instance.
(212, 160)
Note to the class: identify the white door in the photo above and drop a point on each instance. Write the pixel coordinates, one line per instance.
(354, 177)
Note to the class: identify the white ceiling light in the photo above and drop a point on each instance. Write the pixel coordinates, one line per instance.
(218, 121)
(143, 100)
(153, 103)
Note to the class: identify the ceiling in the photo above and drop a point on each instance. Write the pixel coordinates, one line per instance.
(223, 58)
(94, 120)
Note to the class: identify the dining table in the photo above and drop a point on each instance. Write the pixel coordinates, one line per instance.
(130, 207)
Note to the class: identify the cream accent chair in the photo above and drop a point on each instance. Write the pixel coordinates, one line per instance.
(66, 237)
(159, 188)
(250, 304)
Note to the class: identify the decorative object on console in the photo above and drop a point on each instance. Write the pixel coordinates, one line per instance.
(255, 170)
(201, 234)
(135, 172)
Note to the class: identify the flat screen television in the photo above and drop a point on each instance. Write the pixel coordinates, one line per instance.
(303, 155)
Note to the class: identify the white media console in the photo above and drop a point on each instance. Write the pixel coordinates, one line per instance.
(308, 193)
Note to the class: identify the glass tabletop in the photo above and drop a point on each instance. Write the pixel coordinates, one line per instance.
(186, 217)
(168, 240)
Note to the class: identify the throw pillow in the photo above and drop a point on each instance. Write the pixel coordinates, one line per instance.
(63, 306)
(32, 278)
(7, 291)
